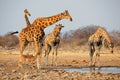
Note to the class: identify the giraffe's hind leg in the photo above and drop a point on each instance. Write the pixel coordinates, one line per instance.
(20, 63)
(47, 51)
(97, 57)
(23, 44)
(55, 55)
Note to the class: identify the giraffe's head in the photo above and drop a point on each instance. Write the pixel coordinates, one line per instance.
(66, 15)
(111, 46)
(26, 12)
(59, 27)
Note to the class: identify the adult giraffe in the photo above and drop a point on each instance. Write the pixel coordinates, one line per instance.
(95, 43)
(35, 32)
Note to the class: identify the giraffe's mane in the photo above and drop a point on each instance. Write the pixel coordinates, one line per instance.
(49, 16)
(105, 34)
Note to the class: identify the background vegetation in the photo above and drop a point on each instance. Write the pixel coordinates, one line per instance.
(71, 39)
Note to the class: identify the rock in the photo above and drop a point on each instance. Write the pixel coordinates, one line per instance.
(14, 71)
(26, 77)
(2, 69)
(61, 71)
(1, 64)
(6, 77)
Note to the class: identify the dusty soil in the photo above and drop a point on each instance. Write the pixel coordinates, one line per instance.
(66, 59)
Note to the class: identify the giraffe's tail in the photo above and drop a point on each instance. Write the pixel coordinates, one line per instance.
(14, 32)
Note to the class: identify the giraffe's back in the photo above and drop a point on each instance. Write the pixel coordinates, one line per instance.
(29, 33)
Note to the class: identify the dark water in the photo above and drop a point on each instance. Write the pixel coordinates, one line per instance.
(101, 70)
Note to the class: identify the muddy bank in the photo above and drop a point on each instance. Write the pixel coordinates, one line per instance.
(47, 74)
(9, 70)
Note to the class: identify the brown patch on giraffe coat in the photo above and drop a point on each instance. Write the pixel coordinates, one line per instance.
(50, 23)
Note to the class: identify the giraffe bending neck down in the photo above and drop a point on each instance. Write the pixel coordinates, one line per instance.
(95, 43)
(26, 14)
(52, 42)
(35, 32)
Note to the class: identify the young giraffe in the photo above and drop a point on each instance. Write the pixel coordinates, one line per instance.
(26, 14)
(95, 43)
(35, 32)
(26, 58)
(52, 42)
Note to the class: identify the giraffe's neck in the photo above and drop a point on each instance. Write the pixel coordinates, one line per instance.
(56, 33)
(104, 34)
(27, 21)
(100, 32)
(47, 21)
(107, 37)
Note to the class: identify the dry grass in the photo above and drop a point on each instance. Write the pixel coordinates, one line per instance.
(66, 59)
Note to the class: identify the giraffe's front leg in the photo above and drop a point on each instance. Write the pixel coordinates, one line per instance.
(47, 60)
(38, 62)
(38, 53)
(23, 44)
(48, 49)
(91, 59)
(91, 53)
(56, 48)
(97, 57)
(52, 55)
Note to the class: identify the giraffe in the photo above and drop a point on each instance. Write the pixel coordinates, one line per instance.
(26, 14)
(35, 32)
(28, 24)
(26, 58)
(52, 41)
(95, 43)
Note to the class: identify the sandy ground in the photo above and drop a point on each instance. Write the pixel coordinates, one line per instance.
(66, 59)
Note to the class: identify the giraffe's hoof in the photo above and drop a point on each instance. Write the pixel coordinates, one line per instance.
(90, 65)
(93, 65)
(39, 67)
(46, 64)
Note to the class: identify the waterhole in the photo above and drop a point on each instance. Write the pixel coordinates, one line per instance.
(101, 70)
